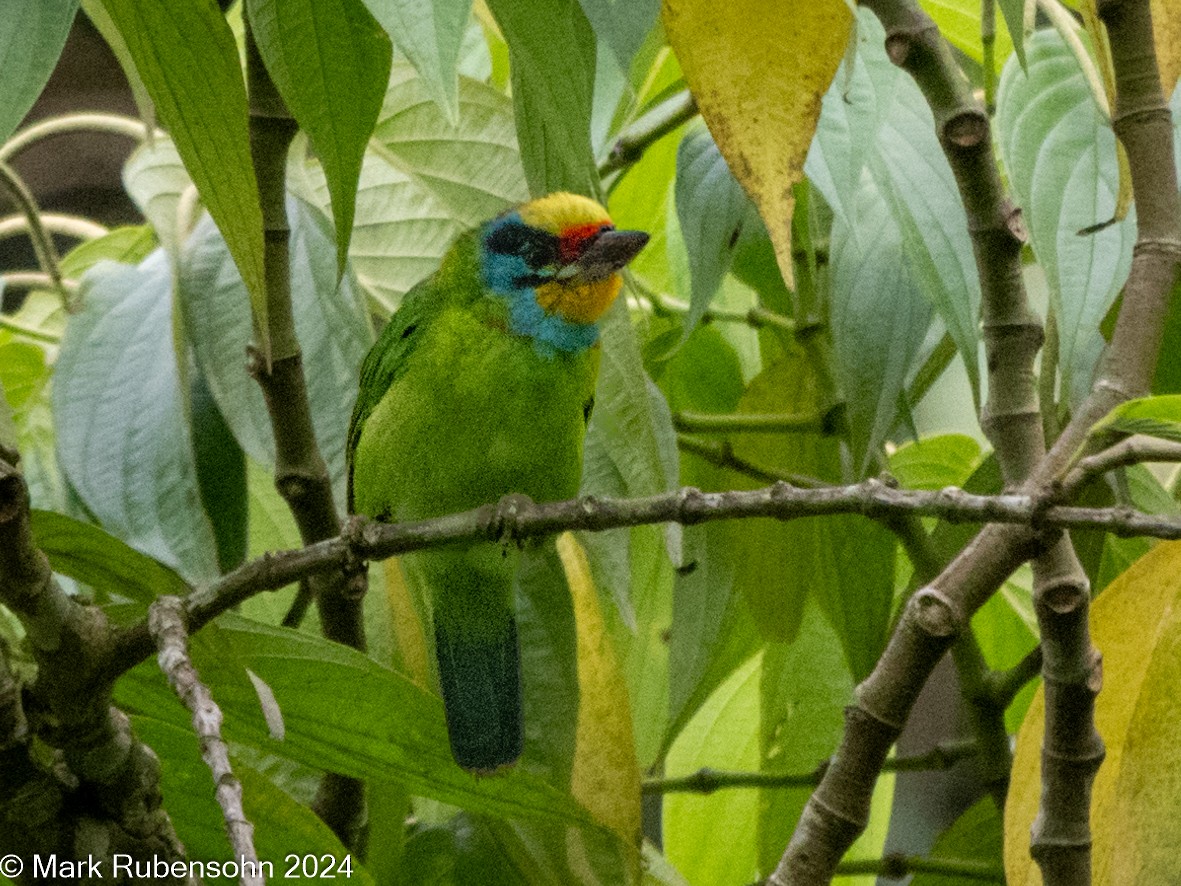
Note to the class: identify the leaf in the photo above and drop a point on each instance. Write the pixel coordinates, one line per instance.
(1136, 623)
(878, 119)
(759, 90)
(606, 776)
(804, 688)
(429, 33)
(101, 19)
(129, 244)
(622, 25)
(221, 474)
(552, 49)
(712, 839)
(472, 165)
(1152, 416)
(935, 462)
(879, 320)
(282, 826)
(847, 563)
(89, 555)
(959, 22)
(329, 322)
(1166, 27)
(342, 712)
(122, 437)
(711, 208)
(975, 836)
(1061, 158)
(185, 54)
(317, 51)
(31, 41)
(155, 179)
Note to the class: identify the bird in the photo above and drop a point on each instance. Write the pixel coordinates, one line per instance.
(480, 388)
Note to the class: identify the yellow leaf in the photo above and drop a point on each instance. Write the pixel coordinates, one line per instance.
(606, 775)
(409, 638)
(758, 69)
(1136, 624)
(1166, 27)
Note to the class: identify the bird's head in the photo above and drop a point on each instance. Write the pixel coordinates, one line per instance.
(557, 261)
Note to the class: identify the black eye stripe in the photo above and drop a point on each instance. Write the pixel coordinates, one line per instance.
(537, 248)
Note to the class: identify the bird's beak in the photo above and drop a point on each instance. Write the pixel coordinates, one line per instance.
(609, 252)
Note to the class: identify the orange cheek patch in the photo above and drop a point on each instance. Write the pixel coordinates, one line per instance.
(580, 303)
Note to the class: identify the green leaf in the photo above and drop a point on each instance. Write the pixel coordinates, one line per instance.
(804, 688)
(25, 374)
(155, 178)
(317, 52)
(430, 33)
(713, 839)
(878, 119)
(879, 320)
(1060, 154)
(343, 712)
(89, 555)
(959, 22)
(129, 245)
(186, 55)
(622, 25)
(711, 207)
(935, 462)
(552, 49)
(221, 474)
(472, 164)
(329, 321)
(1153, 416)
(31, 40)
(283, 827)
(976, 835)
(8, 436)
(122, 437)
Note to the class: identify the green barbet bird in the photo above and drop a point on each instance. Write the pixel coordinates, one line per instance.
(480, 386)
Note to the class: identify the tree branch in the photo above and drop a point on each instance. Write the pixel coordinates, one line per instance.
(166, 622)
(650, 128)
(103, 795)
(519, 519)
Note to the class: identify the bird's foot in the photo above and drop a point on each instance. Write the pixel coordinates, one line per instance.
(504, 521)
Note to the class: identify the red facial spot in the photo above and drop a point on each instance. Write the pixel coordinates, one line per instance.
(573, 240)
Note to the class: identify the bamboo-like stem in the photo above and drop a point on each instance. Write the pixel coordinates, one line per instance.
(301, 476)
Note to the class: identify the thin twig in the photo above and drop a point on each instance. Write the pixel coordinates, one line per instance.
(1003, 686)
(115, 124)
(706, 780)
(166, 622)
(1130, 451)
(749, 423)
(648, 129)
(12, 185)
(895, 867)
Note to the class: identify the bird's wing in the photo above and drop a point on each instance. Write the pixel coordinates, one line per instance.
(386, 361)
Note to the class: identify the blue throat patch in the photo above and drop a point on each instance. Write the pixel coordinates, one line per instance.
(551, 333)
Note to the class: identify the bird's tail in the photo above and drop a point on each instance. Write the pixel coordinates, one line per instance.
(481, 681)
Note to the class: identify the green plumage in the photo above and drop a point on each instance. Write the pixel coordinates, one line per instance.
(454, 412)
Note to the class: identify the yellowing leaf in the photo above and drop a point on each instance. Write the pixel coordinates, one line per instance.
(1166, 27)
(758, 69)
(409, 639)
(1136, 624)
(605, 777)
